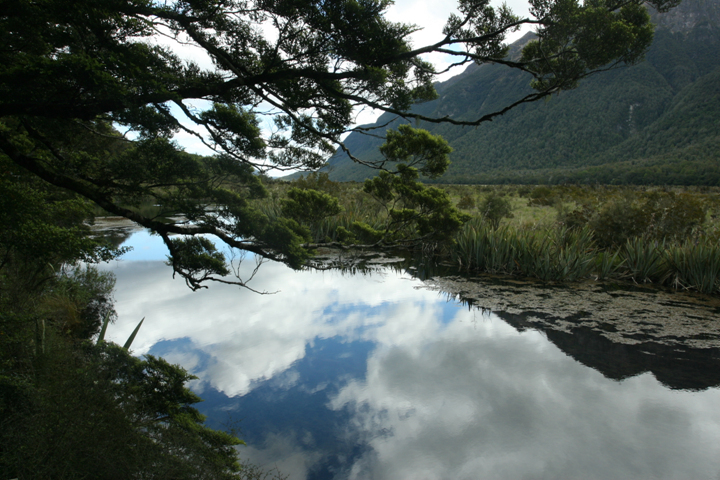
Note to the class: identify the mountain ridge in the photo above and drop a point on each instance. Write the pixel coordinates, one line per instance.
(654, 122)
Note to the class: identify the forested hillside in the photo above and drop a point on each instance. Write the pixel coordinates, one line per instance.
(657, 122)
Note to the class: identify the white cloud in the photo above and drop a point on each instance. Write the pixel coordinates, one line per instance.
(493, 403)
(252, 337)
(283, 454)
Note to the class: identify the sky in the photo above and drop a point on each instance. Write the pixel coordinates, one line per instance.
(431, 16)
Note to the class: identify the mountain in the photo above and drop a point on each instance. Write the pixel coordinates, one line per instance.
(657, 122)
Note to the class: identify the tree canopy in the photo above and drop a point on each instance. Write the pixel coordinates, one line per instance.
(72, 78)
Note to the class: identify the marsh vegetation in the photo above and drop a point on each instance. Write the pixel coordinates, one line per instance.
(663, 236)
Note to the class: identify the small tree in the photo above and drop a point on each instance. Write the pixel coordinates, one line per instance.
(494, 208)
(415, 213)
(466, 202)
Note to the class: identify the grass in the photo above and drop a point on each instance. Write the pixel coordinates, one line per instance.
(567, 233)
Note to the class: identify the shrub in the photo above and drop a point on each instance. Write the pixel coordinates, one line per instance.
(617, 221)
(542, 196)
(655, 215)
(695, 266)
(318, 181)
(494, 208)
(467, 202)
(575, 219)
(523, 191)
(673, 215)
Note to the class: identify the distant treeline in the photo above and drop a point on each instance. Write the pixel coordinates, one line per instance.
(701, 173)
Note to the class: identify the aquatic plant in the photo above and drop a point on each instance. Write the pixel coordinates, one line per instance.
(695, 266)
(547, 254)
(608, 265)
(645, 260)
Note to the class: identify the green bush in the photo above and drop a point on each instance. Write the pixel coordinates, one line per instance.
(695, 266)
(674, 215)
(494, 208)
(617, 221)
(467, 202)
(318, 181)
(79, 299)
(523, 191)
(654, 215)
(98, 412)
(542, 196)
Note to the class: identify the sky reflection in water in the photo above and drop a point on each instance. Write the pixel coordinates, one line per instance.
(374, 377)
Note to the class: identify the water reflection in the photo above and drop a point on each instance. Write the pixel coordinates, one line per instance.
(377, 377)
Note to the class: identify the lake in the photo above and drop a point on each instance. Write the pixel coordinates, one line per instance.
(391, 373)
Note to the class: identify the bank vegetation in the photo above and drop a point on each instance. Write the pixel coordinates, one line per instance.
(646, 235)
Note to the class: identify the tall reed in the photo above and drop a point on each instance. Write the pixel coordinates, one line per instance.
(645, 260)
(695, 265)
(549, 254)
(561, 254)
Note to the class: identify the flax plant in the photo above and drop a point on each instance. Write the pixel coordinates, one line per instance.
(608, 265)
(695, 266)
(645, 260)
(556, 254)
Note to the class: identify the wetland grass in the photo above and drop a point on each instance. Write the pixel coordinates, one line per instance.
(561, 233)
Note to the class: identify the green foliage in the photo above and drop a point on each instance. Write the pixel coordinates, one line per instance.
(414, 146)
(198, 257)
(78, 300)
(608, 265)
(656, 215)
(541, 195)
(135, 418)
(494, 208)
(363, 232)
(695, 265)
(593, 36)
(318, 181)
(555, 255)
(656, 236)
(467, 202)
(415, 213)
(644, 260)
(132, 336)
(309, 206)
(43, 237)
(43, 226)
(70, 76)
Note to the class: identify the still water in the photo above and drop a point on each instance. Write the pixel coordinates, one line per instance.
(380, 376)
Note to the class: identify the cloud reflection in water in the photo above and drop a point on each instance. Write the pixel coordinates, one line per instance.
(369, 377)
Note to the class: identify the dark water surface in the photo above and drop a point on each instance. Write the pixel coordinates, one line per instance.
(378, 376)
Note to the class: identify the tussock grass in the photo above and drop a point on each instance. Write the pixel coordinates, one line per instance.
(547, 254)
(563, 233)
(559, 254)
(694, 266)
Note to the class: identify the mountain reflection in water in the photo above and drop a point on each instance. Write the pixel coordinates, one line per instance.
(378, 376)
